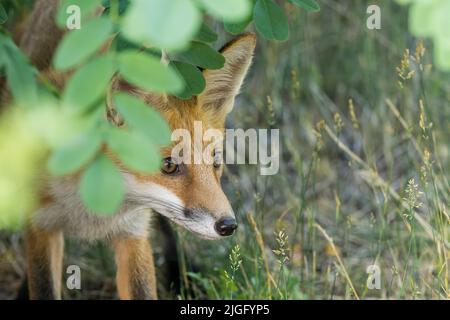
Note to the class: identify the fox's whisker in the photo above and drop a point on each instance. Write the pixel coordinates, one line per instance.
(177, 209)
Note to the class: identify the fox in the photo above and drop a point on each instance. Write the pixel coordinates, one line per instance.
(189, 195)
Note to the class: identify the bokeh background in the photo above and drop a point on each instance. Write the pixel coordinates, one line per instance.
(364, 123)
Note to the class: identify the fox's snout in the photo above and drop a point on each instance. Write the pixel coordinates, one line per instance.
(208, 223)
(225, 227)
(223, 224)
(208, 215)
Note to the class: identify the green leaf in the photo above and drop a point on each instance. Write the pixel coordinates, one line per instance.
(75, 154)
(89, 83)
(421, 19)
(425, 18)
(229, 10)
(143, 118)
(147, 72)
(270, 20)
(442, 53)
(78, 45)
(2, 59)
(309, 5)
(202, 55)
(19, 74)
(205, 34)
(122, 44)
(86, 9)
(123, 6)
(101, 187)
(20, 77)
(430, 19)
(134, 150)
(3, 14)
(165, 24)
(194, 82)
(238, 27)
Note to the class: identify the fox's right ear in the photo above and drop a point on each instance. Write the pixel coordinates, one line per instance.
(223, 85)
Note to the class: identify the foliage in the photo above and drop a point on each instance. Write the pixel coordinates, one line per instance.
(126, 41)
(19, 176)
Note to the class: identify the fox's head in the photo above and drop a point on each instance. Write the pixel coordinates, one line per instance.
(190, 194)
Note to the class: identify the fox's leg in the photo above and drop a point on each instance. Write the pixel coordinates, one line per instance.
(44, 250)
(135, 269)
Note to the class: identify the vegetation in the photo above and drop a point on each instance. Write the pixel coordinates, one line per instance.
(364, 177)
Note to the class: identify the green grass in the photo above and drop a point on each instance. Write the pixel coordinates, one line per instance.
(343, 180)
(344, 198)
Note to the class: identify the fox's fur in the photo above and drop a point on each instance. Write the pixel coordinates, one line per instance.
(193, 199)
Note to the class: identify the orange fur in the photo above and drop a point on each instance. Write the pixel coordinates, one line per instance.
(44, 250)
(135, 269)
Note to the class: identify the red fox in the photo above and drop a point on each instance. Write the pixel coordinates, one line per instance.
(188, 194)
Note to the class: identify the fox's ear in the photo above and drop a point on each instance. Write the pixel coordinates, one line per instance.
(223, 85)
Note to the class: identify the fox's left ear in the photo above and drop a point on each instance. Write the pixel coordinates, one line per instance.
(223, 85)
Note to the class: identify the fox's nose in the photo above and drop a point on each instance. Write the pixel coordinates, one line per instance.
(226, 226)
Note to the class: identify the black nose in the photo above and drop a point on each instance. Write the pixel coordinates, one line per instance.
(225, 227)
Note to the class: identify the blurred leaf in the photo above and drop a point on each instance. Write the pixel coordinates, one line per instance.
(75, 154)
(202, 55)
(205, 34)
(238, 27)
(422, 19)
(19, 73)
(101, 186)
(134, 150)
(270, 20)
(194, 82)
(123, 5)
(86, 8)
(2, 59)
(22, 155)
(430, 19)
(89, 83)
(143, 118)
(20, 77)
(442, 53)
(123, 44)
(310, 5)
(166, 24)
(57, 125)
(229, 10)
(78, 45)
(3, 14)
(147, 72)
(404, 1)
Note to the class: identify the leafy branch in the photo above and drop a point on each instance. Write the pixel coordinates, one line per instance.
(125, 42)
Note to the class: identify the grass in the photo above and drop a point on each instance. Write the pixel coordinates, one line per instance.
(364, 175)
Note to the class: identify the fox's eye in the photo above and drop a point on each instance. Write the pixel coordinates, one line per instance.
(217, 159)
(169, 166)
